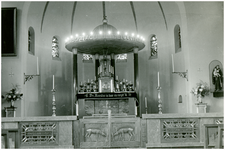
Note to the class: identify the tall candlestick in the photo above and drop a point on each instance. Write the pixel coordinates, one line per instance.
(172, 63)
(37, 67)
(146, 105)
(158, 80)
(53, 82)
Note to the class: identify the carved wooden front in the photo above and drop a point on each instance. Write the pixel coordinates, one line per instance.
(118, 132)
(180, 130)
(39, 133)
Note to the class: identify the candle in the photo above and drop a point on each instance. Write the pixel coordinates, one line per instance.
(37, 67)
(158, 80)
(172, 63)
(53, 81)
(146, 105)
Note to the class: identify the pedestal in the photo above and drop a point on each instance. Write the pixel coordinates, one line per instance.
(201, 107)
(10, 111)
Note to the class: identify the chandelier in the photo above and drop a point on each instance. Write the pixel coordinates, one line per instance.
(105, 37)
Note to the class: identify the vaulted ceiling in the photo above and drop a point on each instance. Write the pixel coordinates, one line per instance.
(85, 16)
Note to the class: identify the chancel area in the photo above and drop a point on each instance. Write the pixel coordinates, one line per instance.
(111, 74)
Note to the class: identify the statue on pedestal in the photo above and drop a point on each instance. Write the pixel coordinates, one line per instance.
(217, 78)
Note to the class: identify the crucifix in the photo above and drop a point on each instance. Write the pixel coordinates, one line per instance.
(11, 74)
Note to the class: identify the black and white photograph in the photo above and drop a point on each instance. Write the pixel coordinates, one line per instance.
(112, 74)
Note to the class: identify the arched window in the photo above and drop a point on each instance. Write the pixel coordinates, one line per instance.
(55, 47)
(153, 46)
(121, 58)
(87, 58)
(31, 41)
(177, 38)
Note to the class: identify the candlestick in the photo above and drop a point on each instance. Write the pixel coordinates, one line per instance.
(53, 102)
(158, 79)
(37, 67)
(53, 84)
(172, 62)
(146, 105)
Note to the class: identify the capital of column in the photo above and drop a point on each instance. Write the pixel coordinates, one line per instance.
(112, 56)
(96, 56)
(74, 50)
(135, 49)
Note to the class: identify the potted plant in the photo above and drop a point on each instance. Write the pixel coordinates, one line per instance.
(201, 90)
(13, 95)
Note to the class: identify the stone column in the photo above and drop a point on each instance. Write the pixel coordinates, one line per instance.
(96, 65)
(113, 64)
(136, 79)
(75, 81)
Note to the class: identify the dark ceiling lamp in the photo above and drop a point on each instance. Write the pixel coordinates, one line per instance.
(105, 37)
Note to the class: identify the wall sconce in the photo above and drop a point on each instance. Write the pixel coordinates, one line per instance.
(29, 77)
(182, 74)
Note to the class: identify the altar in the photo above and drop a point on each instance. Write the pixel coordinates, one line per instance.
(99, 103)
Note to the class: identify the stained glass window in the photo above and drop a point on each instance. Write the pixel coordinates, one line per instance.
(177, 38)
(88, 58)
(153, 47)
(121, 58)
(31, 41)
(55, 47)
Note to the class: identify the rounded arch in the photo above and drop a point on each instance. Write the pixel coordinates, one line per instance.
(153, 46)
(31, 40)
(177, 38)
(55, 47)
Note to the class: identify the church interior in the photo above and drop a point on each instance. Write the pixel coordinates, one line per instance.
(112, 74)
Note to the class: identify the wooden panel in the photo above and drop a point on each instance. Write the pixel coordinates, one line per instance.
(76, 134)
(153, 131)
(116, 132)
(143, 132)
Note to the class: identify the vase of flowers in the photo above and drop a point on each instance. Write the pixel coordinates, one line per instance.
(13, 95)
(201, 90)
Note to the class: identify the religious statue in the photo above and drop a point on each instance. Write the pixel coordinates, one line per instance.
(217, 78)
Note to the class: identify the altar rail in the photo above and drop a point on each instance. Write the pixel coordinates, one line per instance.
(39, 132)
(178, 130)
(151, 131)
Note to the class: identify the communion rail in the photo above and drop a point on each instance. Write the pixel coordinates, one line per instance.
(150, 131)
(179, 130)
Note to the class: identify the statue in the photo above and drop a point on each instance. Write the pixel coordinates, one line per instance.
(217, 78)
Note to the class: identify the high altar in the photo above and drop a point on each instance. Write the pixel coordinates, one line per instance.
(105, 91)
(107, 115)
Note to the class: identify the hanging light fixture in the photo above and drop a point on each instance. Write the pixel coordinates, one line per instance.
(104, 36)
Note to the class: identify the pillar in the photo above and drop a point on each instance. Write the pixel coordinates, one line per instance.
(136, 79)
(96, 65)
(113, 64)
(75, 81)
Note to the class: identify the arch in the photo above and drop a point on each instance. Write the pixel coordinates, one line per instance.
(177, 38)
(31, 41)
(153, 45)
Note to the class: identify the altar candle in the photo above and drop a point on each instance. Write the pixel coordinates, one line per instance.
(37, 67)
(172, 63)
(158, 79)
(53, 82)
(146, 105)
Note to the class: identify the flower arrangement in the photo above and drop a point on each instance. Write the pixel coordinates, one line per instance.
(13, 95)
(201, 90)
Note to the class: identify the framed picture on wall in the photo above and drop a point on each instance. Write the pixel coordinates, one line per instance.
(8, 31)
